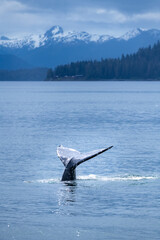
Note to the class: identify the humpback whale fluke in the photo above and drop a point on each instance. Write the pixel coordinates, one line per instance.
(71, 158)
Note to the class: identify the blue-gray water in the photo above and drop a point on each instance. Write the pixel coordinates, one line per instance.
(116, 195)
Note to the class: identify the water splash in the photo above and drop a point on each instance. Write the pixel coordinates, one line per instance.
(116, 178)
(51, 180)
(98, 178)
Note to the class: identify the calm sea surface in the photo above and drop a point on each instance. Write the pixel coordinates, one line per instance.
(116, 195)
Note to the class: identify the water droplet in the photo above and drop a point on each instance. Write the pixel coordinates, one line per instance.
(78, 233)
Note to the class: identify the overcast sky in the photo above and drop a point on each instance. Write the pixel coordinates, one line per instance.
(113, 17)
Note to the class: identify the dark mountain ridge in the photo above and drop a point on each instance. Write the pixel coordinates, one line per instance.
(12, 62)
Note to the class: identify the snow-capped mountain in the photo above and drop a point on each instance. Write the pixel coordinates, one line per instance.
(56, 34)
(56, 47)
(132, 34)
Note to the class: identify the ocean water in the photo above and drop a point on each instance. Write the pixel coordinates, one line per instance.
(116, 195)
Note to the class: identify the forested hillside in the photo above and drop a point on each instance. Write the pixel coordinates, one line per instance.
(145, 64)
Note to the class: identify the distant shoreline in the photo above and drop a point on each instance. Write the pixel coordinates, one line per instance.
(93, 80)
(101, 80)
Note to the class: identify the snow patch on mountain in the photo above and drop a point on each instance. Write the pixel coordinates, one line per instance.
(57, 35)
(55, 31)
(132, 34)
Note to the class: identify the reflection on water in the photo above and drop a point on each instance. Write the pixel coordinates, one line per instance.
(70, 183)
(71, 191)
(67, 193)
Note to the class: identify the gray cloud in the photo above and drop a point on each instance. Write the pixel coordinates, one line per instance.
(129, 6)
(101, 16)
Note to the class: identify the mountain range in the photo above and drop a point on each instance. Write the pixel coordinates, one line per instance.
(56, 47)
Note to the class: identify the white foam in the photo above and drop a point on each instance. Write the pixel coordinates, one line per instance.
(98, 178)
(119, 178)
(51, 180)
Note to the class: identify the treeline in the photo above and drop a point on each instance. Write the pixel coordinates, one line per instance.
(35, 74)
(145, 64)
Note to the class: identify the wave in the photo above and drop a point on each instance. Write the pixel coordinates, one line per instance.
(99, 178)
(51, 180)
(114, 178)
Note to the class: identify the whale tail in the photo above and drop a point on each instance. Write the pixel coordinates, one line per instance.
(71, 158)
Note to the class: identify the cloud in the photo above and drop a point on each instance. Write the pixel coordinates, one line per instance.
(100, 11)
(19, 17)
(96, 16)
(148, 16)
(8, 7)
(127, 6)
